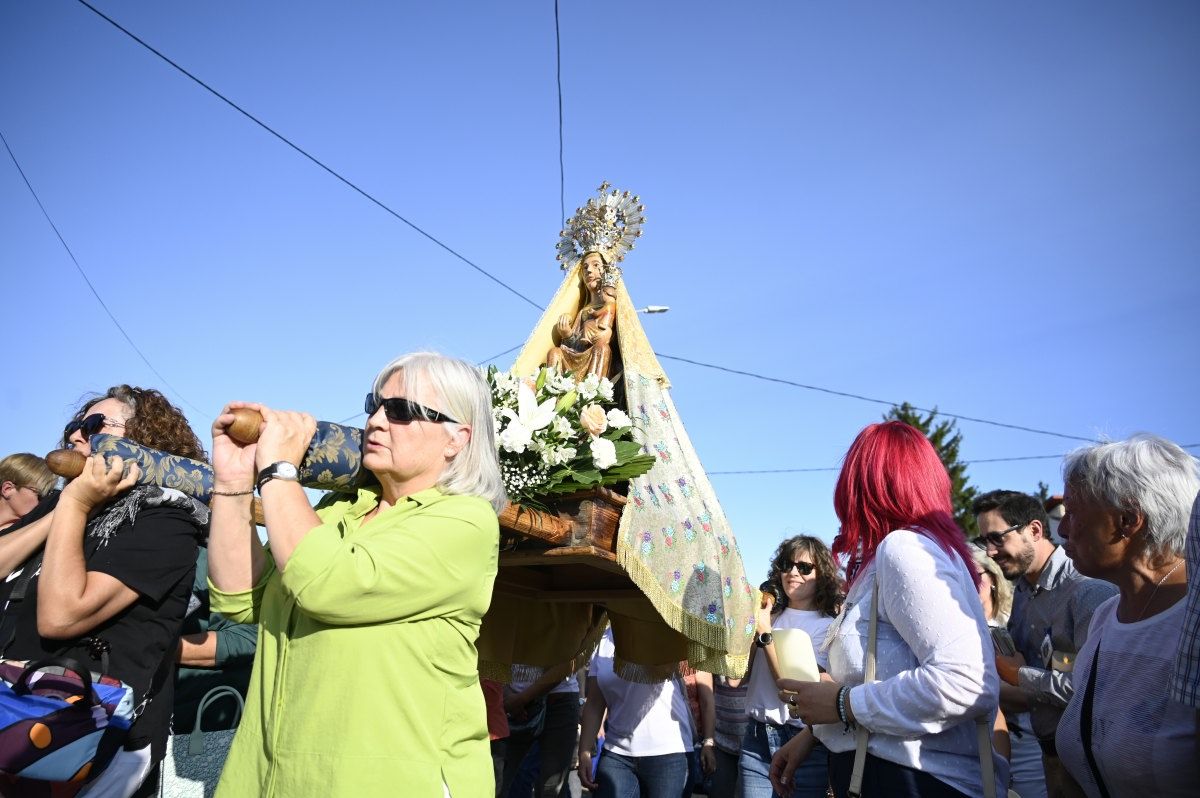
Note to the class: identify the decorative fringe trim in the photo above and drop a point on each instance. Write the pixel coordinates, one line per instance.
(506, 672)
(644, 674)
(707, 642)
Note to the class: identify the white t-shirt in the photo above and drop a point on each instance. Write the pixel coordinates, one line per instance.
(1144, 743)
(762, 695)
(643, 719)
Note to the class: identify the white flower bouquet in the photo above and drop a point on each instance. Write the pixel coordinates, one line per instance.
(557, 436)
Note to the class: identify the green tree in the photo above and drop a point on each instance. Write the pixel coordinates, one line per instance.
(1043, 492)
(946, 439)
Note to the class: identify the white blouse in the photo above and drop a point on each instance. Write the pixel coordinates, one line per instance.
(935, 666)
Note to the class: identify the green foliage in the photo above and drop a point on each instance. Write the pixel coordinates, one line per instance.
(946, 440)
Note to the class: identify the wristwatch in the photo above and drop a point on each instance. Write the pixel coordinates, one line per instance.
(281, 470)
(764, 639)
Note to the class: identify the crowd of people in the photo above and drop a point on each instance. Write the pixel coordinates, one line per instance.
(1009, 664)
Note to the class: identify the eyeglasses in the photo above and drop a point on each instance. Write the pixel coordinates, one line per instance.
(805, 568)
(995, 539)
(90, 425)
(403, 411)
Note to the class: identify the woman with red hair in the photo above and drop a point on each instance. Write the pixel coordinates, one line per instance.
(934, 665)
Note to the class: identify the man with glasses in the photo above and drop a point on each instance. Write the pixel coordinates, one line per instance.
(1052, 609)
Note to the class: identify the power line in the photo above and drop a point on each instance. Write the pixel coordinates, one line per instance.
(91, 287)
(499, 354)
(965, 462)
(562, 174)
(309, 156)
(870, 399)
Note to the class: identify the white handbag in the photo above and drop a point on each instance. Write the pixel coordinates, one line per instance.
(194, 761)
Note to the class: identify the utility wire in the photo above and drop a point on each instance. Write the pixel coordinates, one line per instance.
(91, 287)
(309, 156)
(870, 399)
(965, 462)
(562, 174)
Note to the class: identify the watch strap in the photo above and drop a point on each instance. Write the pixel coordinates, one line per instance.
(280, 470)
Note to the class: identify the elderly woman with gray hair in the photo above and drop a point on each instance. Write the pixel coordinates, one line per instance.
(365, 680)
(1127, 512)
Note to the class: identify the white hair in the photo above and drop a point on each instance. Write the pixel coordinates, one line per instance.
(1145, 473)
(463, 395)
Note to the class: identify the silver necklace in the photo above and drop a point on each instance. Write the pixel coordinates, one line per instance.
(1154, 593)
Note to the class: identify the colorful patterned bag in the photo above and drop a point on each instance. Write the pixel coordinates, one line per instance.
(59, 721)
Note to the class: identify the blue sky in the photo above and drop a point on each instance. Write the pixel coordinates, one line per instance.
(988, 207)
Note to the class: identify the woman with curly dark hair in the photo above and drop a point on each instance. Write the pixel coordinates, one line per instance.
(115, 576)
(803, 592)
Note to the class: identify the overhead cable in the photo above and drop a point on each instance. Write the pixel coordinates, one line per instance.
(965, 462)
(91, 287)
(860, 397)
(562, 173)
(311, 157)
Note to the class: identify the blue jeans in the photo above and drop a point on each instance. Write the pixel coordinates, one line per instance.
(762, 740)
(622, 776)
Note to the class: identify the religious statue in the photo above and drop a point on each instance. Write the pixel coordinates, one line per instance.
(596, 238)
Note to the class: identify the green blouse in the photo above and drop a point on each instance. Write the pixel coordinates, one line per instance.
(366, 681)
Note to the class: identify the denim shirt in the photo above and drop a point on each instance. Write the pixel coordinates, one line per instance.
(1060, 606)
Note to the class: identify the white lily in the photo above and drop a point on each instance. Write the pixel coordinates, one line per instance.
(528, 418)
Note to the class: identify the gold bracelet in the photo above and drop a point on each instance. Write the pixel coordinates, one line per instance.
(232, 492)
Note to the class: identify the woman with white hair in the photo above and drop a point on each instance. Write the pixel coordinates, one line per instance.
(1127, 512)
(365, 681)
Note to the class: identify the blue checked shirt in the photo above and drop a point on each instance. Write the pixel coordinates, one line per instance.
(1185, 684)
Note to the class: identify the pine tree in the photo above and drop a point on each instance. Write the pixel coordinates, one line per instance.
(945, 439)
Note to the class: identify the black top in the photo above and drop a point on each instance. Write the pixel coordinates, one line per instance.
(156, 557)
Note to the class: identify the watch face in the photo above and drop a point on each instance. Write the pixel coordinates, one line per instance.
(286, 471)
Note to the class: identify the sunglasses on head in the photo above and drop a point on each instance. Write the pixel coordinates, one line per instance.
(90, 425)
(403, 411)
(805, 568)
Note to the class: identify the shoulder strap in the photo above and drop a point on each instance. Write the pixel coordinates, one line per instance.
(10, 612)
(1085, 723)
(986, 766)
(860, 748)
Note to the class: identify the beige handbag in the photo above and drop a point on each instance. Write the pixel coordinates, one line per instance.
(860, 751)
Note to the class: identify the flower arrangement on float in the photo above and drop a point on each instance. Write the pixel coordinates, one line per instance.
(556, 435)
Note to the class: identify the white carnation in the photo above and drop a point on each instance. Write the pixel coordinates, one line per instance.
(618, 420)
(604, 453)
(605, 389)
(516, 437)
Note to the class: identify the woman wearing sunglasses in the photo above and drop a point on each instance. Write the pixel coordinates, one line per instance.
(365, 681)
(115, 575)
(803, 573)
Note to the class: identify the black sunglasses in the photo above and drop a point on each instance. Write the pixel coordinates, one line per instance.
(90, 425)
(403, 411)
(995, 539)
(805, 568)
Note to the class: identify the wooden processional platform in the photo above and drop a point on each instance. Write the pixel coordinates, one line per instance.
(567, 554)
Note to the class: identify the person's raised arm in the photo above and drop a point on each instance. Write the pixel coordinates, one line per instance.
(288, 515)
(71, 599)
(19, 545)
(236, 558)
